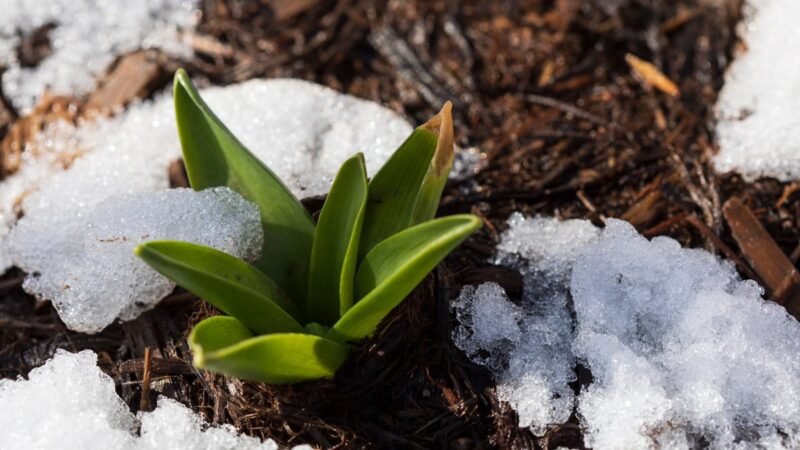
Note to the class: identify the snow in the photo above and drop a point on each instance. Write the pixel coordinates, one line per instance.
(757, 115)
(528, 346)
(49, 152)
(172, 425)
(683, 353)
(301, 130)
(675, 339)
(88, 36)
(85, 264)
(70, 403)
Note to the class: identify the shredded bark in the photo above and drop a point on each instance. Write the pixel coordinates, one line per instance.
(567, 128)
(774, 268)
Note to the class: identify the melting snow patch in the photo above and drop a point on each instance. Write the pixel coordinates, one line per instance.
(87, 36)
(683, 353)
(70, 403)
(528, 346)
(757, 108)
(50, 151)
(83, 260)
(303, 131)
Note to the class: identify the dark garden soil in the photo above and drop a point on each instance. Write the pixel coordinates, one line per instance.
(568, 128)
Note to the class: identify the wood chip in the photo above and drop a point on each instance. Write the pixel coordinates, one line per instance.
(648, 205)
(134, 76)
(286, 9)
(211, 46)
(648, 74)
(547, 74)
(49, 110)
(765, 257)
(788, 192)
(646, 210)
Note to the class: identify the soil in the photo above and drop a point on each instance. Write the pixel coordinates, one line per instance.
(567, 128)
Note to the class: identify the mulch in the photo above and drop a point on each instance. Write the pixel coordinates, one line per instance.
(567, 128)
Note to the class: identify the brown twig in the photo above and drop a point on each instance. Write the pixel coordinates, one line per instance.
(567, 108)
(144, 401)
(664, 226)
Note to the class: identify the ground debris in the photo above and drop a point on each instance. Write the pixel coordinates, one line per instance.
(134, 76)
(651, 76)
(776, 271)
(608, 153)
(22, 134)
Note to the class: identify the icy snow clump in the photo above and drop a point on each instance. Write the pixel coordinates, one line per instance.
(757, 109)
(82, 259)
(527, 347)
(87, 36)
(681, 350)
(69, 403)
(683, 353)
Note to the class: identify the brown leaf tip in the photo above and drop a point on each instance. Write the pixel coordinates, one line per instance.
(441, 125)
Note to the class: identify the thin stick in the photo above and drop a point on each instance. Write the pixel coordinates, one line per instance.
(567, 108)
(664, 226)
(144, 402)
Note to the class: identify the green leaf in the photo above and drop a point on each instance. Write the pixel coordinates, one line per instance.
(407, 189)
(214, 157)
(215, 333)
(395, 267)
(394, 190)
(220, 345)
(230, 284)
(333, 257)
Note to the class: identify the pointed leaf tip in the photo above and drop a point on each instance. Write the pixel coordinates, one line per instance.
(181, 77)
(441, 125)
(430, 191)
(406, 191)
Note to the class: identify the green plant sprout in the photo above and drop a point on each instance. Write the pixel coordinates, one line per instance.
(319, 288)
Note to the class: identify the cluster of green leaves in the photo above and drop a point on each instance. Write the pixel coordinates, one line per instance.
(318, 288)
